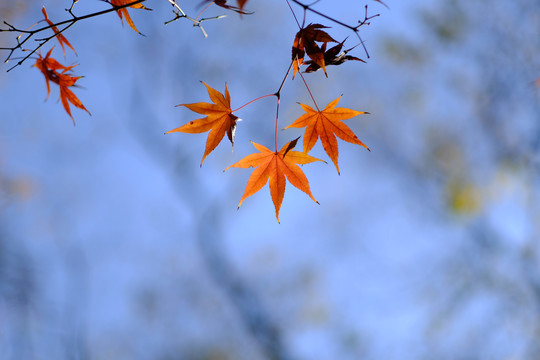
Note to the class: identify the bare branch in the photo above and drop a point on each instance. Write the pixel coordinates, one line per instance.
(31, 33)
(179, 14)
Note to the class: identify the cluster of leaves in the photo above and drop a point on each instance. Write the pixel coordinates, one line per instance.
(49, 67)
(310, 52)
(273, 166)
(52, 69)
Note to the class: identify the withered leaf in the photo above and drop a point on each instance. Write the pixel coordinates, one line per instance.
(223, 3)
(305, 42)
(332, 56)
(50, 68)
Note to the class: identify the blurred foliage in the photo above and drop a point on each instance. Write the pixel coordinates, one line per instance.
(20, 188)
(450, 29)
(463, 198)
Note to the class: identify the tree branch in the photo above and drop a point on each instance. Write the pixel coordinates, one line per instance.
(43, 41)
(179, 14)
(28, 34)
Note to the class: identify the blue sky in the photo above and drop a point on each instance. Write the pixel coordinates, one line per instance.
(111, 217)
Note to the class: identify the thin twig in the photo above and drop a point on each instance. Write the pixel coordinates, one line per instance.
(179, 13)
(43, 41)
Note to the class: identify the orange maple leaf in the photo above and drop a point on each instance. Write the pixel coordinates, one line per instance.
(220, 119)
(49, 67)
(61, 38)
(305, 42)
(326, 124)
(276, 166)
(124, 11)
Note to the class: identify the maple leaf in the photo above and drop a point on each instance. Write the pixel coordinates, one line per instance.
(326, 124)
(49, 67)
(305, 42)
(61, 38)
(220, 119)
(124, 12)
(332, 56)
(275, 167)
(223, 3)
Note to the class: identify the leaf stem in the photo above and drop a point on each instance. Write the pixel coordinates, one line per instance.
(284, 79)
(294, 15)
(277, 117)
(252, 101)
(309, 91)
(278, 95)
(203, 10)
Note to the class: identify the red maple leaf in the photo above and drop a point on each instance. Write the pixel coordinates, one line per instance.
(60, 75)
(61, 38)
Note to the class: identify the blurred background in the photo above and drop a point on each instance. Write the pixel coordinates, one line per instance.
(115, 244)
